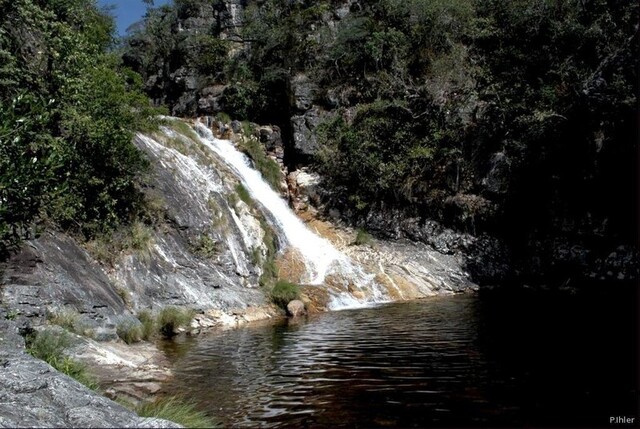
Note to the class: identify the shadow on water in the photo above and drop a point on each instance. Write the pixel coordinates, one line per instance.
(494, 360)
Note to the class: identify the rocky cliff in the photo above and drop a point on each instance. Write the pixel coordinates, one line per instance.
(477, 146)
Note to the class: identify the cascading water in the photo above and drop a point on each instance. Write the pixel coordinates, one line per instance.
(320, 257)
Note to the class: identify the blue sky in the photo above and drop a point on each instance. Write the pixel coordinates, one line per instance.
(128, 11)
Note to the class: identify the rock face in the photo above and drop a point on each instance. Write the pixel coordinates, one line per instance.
(201, 257)
(33, 394)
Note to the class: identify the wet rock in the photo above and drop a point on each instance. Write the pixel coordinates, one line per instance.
(236, 126)
(296, 308)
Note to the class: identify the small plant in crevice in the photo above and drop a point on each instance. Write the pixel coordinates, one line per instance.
(232, 199)
(170, 319)
(49, 346)
(130, 331)
(124, 295)
(256, 256)
(177, 410)
(148, 324)
(206, 246)
(283, 292)
(269, 267)
(268, 168)
(243, 194)
(12, 314)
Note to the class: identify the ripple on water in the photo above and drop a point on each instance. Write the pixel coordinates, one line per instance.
(437, 362)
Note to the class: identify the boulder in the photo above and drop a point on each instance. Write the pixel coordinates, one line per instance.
(296, 308)
(210, 101)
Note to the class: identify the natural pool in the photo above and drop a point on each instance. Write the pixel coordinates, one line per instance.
(521, 359)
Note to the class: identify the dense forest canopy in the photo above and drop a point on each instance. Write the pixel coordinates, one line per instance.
(68, 110)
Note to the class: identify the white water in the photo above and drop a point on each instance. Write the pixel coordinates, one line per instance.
(319, 255)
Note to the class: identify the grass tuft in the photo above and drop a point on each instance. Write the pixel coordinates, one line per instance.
(70, 320)
(269, 169)
(176, 410)
(244, 195)
(129, 330)
(183, 128)
(284, 292)
(136, 238)
(223, 117)
(148, 324)
(49, 346)
(172, 318)
(67, 319)
(269, 267)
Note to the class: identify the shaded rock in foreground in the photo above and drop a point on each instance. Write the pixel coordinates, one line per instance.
(33, 394)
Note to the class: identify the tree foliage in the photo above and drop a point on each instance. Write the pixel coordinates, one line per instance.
(68, 111)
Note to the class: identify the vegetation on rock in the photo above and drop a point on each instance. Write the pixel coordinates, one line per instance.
(170, 319)
(176, 410)
(68, 111)
(283, 292)
(49, 346)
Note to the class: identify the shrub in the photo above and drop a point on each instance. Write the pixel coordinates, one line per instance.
(176, 410)
(223, 117)
(148, 324)
(172, 318)
(206, 246)
(49, 347)
(130, 331)
(284, 292)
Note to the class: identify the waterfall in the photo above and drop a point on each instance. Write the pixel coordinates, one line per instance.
(320, 257)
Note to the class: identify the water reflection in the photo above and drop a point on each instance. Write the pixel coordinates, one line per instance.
(447, 361)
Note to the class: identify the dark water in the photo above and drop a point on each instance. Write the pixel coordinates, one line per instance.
(452, 361)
